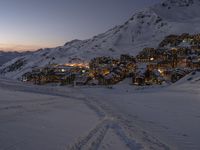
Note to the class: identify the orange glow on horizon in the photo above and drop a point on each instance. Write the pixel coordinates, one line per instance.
(19, 47)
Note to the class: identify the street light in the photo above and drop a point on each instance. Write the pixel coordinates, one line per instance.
(152, 59)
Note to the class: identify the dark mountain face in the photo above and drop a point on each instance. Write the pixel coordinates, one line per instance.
(7, 56)
(181, 3)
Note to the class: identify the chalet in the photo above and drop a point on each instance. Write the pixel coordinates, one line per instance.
(36, 77)
(183, 63)
(147, 55)
(127, 58)
(166, 56)
(178, 74)
(138, 79)
(162, 65)
(152, 77)
(119, 71)
(166, 74)
(62, 68)
(109, 79)
(196, 48)
(195, 64)
(152, 66)
(81, 80)
(68, 79)
(93, 82)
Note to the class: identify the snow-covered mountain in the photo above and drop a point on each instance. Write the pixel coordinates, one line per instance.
(8, 56)
(144, 29)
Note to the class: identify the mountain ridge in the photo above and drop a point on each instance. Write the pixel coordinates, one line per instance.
(6, 56)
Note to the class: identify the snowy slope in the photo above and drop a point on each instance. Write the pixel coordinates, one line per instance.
(124, 117)
(191, 82)
(144, 29)
(8, 56)
(31, 121)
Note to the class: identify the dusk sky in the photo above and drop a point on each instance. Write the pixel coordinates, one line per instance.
(33, 24)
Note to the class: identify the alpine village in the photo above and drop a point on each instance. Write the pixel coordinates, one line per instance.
(175, 57)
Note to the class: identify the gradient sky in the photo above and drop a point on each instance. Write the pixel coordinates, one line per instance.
(33, 24)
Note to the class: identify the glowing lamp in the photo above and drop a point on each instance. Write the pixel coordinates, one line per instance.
(152, 59)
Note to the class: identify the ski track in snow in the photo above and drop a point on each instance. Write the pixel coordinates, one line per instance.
(124, 128)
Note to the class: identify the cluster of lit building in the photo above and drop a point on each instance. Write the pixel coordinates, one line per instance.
(99, 71)
(175, 57)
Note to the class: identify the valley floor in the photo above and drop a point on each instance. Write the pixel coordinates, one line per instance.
(119, 118)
